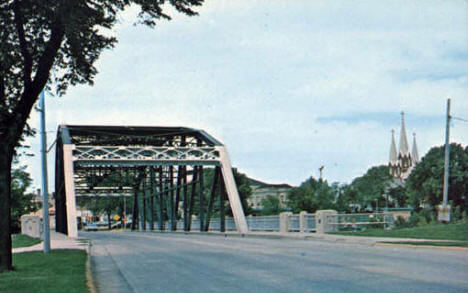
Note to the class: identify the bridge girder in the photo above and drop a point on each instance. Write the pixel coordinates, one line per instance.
(87, 156)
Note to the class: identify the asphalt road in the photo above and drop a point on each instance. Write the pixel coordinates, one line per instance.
(156, 262)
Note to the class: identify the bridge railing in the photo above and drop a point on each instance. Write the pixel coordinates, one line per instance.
(343, 222)
(302, 222)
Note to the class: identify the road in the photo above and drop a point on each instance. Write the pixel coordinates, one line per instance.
(165, 262)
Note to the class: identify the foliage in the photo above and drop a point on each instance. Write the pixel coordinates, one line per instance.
(425, 183)
(271, 205)
(21, 200)
(312, 195)
(370, 188)
(21, 240)
(38, 272)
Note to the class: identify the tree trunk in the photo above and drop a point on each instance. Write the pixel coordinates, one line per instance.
(108, 221)
(6, 154)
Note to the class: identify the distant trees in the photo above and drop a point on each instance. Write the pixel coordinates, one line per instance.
(271, 205)
(312, 195)
(377, 189)
(21, 200)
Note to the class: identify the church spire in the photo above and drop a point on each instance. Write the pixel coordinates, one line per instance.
(404, 149)
(393, 160)
(414, 152)
(393, 166)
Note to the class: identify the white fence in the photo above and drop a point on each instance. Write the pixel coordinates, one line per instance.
(303, 222)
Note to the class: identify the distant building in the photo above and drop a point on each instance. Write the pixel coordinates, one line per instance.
(261, 190)
(401, 163)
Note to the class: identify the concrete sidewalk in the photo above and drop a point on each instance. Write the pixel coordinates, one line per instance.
(313, 236)
(57, 241)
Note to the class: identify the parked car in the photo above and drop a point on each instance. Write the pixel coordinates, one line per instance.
(91, 227)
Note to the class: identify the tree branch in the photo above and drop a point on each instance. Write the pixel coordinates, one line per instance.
(30, 94)
(19, 23)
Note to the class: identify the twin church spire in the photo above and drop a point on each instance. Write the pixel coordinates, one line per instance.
(402, 162)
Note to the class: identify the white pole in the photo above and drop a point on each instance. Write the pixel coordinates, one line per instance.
(45, 189)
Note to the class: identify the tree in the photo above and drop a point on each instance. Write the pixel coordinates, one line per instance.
(271, 205)
(370, 188)
(425, 183)
(21, 200)
(311, 195)
(102, 205)
(37, 36)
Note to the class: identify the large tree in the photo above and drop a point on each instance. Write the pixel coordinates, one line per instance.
(425, 183)
(39, 35)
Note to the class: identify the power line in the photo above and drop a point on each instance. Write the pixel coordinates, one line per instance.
(460, 119)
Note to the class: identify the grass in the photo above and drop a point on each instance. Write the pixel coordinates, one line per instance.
(55, 272)
(455, 231)
(20, 240)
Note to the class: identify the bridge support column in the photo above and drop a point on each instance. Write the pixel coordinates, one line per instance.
(72, 229)
(232, 193)
(285, 221)
(324, 220)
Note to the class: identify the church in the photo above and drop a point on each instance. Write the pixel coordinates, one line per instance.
(401, 163)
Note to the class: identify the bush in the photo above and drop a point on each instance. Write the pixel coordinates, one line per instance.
(400, 222)
(457, 215)
(413, 220)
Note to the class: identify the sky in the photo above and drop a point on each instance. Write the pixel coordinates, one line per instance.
(287, 86)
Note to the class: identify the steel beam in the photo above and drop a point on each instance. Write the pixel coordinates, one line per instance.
(214, 188)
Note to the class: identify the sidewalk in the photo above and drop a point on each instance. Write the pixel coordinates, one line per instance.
(57, 241)
(371, 241)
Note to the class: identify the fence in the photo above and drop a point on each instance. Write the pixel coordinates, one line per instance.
(344, 222)
(303, 222)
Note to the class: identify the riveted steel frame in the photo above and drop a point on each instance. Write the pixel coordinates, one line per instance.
(162, 173)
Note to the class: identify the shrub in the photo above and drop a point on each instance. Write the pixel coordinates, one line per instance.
(413, 220)
(400, 222)
(457, 215)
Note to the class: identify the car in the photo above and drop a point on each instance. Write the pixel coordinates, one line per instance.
(91, 227)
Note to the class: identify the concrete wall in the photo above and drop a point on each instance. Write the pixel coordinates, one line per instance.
(324, 221)
(32, 226)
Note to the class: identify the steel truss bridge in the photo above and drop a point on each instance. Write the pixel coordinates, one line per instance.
(161, 168)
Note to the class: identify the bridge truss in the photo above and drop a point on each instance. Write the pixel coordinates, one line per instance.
(161, 168)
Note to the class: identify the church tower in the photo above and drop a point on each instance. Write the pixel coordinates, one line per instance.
(402, 162)
(393, 158)
(404, 155)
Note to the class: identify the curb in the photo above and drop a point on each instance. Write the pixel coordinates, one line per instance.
(453, 248)
(89, 275)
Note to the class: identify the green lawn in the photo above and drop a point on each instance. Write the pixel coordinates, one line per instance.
(457, 231)
(55, 272)
(20, 240)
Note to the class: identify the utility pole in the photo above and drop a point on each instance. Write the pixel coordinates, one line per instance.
(444, 210)
(45, 189)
